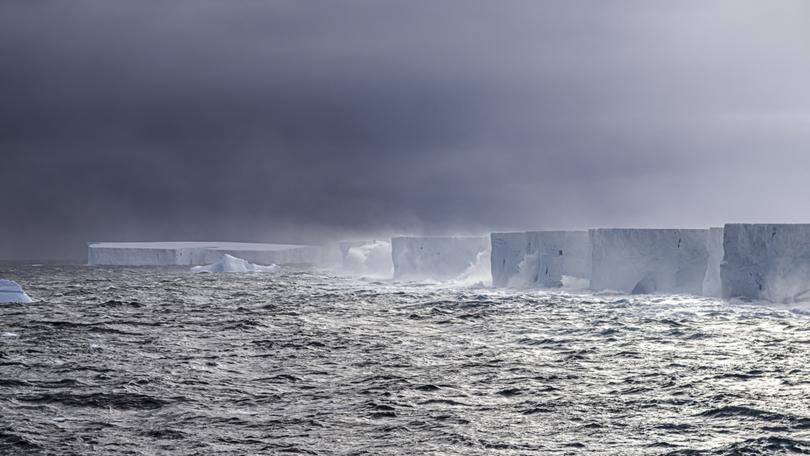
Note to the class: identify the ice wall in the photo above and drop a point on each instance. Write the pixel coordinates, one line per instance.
(714, 246)
(197, 253)
(437, 258)
(766, 261)
(649, 260)
(539, 258)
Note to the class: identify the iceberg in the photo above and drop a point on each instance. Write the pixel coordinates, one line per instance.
(197, 253)
(766, 261)
(367, 257)
(230, 263)
(436, 258)
(11, 291)
(539, 258)
(714, 245)
(649, 260)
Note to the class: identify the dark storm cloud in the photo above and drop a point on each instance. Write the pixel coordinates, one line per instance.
(262, 120)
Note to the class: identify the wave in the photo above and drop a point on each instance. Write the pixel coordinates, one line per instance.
(478, 273)
(370, 259)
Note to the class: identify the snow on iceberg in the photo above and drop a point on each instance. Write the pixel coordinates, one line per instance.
(766, 261)
(230, 263)
(367, 257)
(11, 291)
(649, 260)
(436, 258)
(539, 258)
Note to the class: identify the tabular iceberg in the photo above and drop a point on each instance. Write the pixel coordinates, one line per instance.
(539, 258)
(230, 263)
(437, 258)
(197, 253)
(714, 245)
(649, 260)
(11, 291)
(766, 261)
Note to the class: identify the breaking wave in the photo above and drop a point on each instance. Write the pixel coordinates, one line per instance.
(371, 259)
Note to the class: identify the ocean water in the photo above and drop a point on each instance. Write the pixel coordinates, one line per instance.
(143, 361)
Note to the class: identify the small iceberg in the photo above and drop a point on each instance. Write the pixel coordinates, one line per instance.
(11, 291)
(230, 263)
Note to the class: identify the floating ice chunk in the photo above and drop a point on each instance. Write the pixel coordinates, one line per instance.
(232, 264)
(11, 291)
(435, 258)
(766, 261)
(649, 260)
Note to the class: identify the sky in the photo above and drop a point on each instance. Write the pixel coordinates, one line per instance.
(296, 121)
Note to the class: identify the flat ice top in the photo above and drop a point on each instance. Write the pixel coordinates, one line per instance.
(438, 237)
(649, 229)
(194, 245)
(539, 231)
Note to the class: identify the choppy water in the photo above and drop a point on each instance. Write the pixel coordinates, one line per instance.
(161, 361)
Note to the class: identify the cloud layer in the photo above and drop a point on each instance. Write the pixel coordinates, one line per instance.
(289, 121)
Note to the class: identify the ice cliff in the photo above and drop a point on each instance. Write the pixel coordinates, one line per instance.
(197, 253)
(649, 260)
(766, 261)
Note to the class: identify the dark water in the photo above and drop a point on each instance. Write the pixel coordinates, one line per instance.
(160, 361)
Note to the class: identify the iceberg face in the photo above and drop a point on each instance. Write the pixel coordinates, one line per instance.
(11, 291)
(197, 253)
(509, 260)
(714, 244)
(367, 258)
(436, 258)
(230, 263)
(649, 260)
(539, 258)
(766, 261)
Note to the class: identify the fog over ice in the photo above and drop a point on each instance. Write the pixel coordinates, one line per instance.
(285, 120)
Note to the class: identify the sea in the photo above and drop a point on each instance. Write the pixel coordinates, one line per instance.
(162, 361)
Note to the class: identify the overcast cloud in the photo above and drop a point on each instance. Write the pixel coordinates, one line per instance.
(289, 120)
